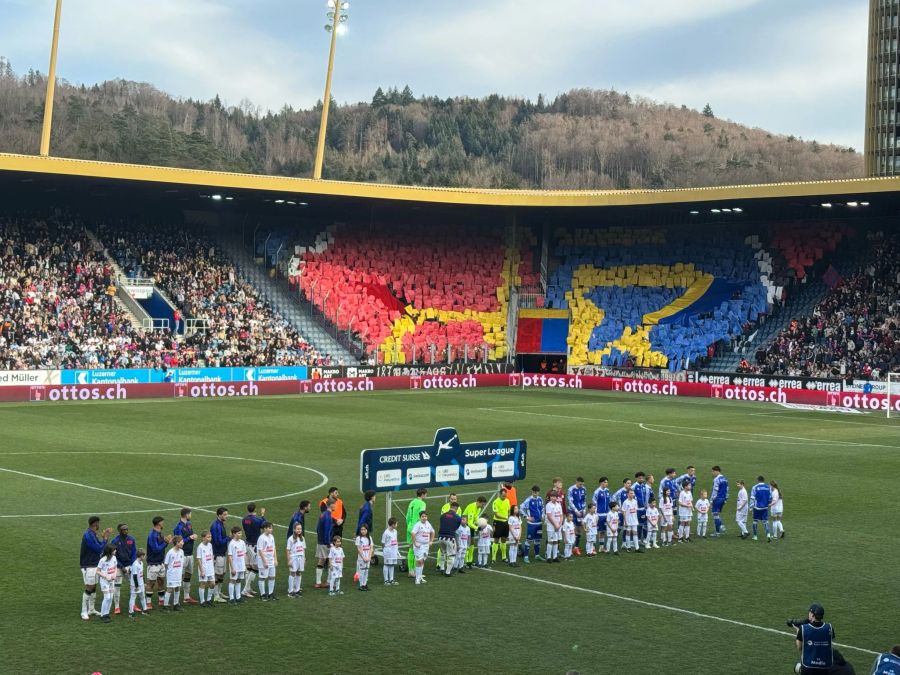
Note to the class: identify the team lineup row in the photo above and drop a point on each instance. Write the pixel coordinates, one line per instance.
(633, 510)
(249, 553)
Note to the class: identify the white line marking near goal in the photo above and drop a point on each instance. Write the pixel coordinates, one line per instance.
(791, 414)
(669, 608)
(206, 508)
(806, 441)
(767, 438)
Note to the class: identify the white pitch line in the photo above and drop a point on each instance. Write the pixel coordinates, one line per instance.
(770, 440)
(817, 419)
(807, 441)
(206, 508)
(669, 608)
(124, 494)
(553, 405)
(736, 436)
(90, 487)
(564, 417)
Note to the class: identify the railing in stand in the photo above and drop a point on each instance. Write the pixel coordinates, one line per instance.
(192, 326)
(432, 355)
(124, 280)
(155, 324)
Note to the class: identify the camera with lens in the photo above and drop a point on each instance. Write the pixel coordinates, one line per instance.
(796, 623)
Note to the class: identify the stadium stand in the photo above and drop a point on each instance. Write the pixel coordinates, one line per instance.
(646, 297)
(853, 332)
(413, 294)
(55, 308)
(241, 329)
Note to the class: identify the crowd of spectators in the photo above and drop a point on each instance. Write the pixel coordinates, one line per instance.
(56, 302)
(58, 308)
(240, 328)
(854, 332)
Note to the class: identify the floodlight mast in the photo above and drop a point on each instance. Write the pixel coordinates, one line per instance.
(338, 16)
(51, 84)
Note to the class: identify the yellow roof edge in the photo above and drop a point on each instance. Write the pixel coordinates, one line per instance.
(464, 196)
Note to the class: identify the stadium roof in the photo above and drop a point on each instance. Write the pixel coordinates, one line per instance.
(21, 174)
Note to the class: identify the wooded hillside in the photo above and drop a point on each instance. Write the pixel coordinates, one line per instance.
(580, 140)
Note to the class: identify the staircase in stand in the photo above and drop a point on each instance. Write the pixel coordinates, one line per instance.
(802, 300)
(276, 291)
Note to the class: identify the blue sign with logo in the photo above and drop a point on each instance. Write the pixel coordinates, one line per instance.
(113, 376)
(445, 462)
(150, 376)
(203, 374)
(271, 373)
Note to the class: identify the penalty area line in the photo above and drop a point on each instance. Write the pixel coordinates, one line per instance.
(669, 608)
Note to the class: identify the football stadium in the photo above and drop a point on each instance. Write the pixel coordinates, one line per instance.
(299, 425)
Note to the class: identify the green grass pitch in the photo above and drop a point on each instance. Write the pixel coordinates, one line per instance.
(715, 606)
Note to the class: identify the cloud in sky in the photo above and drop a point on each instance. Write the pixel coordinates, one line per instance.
(789, 67)
(813, 87)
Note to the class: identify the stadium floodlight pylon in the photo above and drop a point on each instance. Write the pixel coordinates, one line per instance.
(337, 15)
(51, 84)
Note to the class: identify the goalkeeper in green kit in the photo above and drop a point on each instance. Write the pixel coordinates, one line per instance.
(416, 506)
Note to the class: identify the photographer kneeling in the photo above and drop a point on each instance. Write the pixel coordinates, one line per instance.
(815, 643)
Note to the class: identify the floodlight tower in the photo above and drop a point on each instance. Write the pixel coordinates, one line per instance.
(337, 14)
(51, 84)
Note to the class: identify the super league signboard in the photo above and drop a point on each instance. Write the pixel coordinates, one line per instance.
(443, 463)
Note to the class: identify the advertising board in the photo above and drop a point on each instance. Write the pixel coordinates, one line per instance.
(444, 462)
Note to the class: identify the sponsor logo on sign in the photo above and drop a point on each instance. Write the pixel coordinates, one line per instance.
(808, 383)
(418, 475)
(389, 478)
(476, 471)
(447, 474)
(503, 469)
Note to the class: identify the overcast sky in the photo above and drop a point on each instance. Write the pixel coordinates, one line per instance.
(789, 66)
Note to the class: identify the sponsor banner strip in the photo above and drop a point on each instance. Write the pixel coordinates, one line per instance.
(199, 389)
(16, 378)
(774, 381)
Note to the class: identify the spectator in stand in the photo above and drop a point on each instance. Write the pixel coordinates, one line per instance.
(854, 333)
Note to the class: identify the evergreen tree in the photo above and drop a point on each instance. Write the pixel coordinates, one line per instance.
(708, 111)
(379, 99)
(406, 96)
